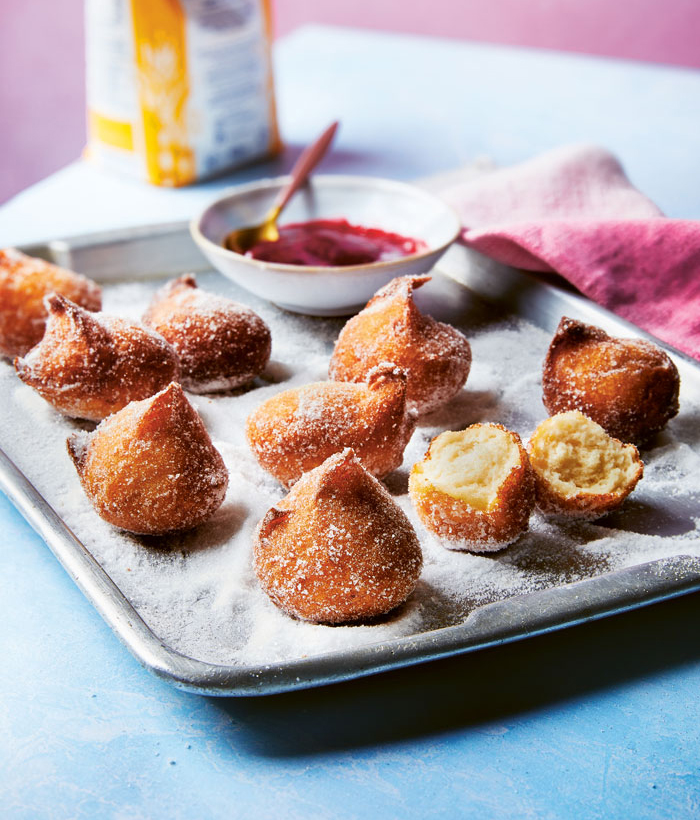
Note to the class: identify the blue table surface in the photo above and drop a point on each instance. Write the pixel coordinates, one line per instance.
(598, 721)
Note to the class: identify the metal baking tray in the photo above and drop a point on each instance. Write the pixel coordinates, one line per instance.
(167, 250)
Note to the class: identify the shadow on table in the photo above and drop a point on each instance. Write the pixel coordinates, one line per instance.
(493, 685)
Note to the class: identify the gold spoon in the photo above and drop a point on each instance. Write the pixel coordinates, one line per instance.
(241, 240)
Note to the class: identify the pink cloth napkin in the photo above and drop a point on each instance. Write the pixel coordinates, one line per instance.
(573, 211)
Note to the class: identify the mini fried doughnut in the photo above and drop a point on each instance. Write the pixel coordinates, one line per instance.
(337, 548)
(629, 386)
(435, 356)
(151, 468)
(89, 365)
(296, 430)
(24, 282)
(474, 488)
(581, 471)
(221, 343)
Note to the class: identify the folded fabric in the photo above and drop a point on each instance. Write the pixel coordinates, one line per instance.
(572, 211)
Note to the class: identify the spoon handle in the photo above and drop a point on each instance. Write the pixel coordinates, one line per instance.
(308, 160)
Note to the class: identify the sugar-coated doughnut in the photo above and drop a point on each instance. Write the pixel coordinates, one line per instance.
(435, 356)
(221, 343)
(580, 470)
(474, 488)
(337, 548)
(628, 386)
(296, 430)
(24, 282)
(151, 468)
(89, 365)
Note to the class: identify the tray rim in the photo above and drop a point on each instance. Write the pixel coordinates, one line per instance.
(617, 591)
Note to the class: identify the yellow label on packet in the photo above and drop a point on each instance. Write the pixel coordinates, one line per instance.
(111, 132)
(161, 61)
(179, 90)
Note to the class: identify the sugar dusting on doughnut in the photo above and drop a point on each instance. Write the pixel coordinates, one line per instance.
(24, 282)
(222, 344)
(296, 430)
(628, 386)
(337, 548)
(89, 365)
(151, 468)
(435, 356)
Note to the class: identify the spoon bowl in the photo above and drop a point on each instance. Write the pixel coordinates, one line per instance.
(241, 240)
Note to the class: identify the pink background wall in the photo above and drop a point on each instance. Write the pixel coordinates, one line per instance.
(42, 74)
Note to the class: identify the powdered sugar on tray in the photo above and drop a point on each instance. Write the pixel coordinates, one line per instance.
(197, 590)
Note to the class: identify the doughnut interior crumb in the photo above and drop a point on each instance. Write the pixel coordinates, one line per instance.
(576, 456)
(471, 465)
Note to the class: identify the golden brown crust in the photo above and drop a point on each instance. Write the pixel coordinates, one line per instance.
(462, 526)
(435, 356)
(628, 386)
(298, 429)
(89, 365)
(221, 343)
(337, 548)
(151, 468)
(583, 505)
(24, 282)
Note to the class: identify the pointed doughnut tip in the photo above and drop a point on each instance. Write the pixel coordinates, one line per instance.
(77, 446)
(386, 373)
(272, 519)
(335, 471)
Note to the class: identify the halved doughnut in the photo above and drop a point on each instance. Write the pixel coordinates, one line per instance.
(474, 488)
(581, 471)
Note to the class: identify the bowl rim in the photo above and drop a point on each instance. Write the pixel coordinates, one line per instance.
(322, 179)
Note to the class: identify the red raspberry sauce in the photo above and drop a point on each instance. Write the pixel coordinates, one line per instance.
(334, 243)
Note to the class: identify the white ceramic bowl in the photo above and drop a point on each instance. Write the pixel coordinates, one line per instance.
(322, 291)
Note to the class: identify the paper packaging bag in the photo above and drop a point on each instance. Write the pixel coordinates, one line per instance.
(179, 90)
